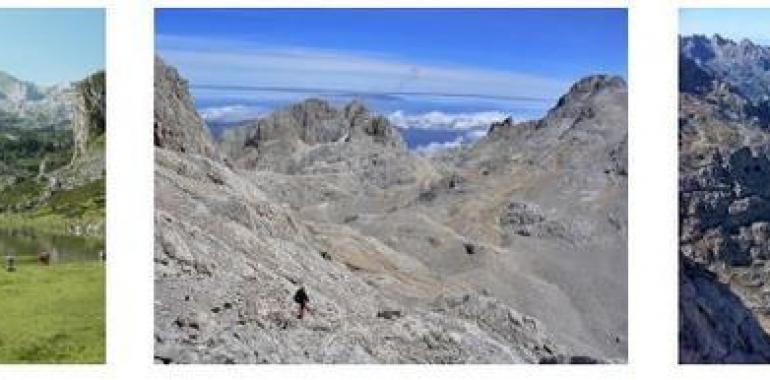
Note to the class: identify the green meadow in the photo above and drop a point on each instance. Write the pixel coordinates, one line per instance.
(53, 314)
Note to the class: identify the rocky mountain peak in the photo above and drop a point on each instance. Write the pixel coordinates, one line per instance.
(317, 121)
(37, 106)
(177, 124)
(747, 44)
(310, 124)
(312, 121)
(745, 65)
(15, 90)
(311, 110)
(590, 86)
(732, 78)
(721, 41)
(580, 102)
(586, 129)
(593, 102)
(356, 112)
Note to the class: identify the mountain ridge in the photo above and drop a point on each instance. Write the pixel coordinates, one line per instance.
(42, 106)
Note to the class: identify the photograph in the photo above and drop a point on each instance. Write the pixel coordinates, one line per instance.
(52, 186)
(724, 197)
(391, 186)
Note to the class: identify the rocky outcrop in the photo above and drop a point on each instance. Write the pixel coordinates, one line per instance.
(177, 125)
(714, 324)
(406, 259)
(724, 207)
(89, 120)
(528, 220)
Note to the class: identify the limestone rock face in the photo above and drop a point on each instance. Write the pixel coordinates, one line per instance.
(724, 203)
(177, 125)
(89, 116)
(405, 258)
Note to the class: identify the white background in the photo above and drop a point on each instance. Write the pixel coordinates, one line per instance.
(652, 205)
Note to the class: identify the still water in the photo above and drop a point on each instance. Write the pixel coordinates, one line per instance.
(26, 244)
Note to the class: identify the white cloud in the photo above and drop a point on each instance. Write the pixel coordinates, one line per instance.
(469, 137)
(231, 113)
(228, 63)
(443, 120)
(476, 134)
(435, 147)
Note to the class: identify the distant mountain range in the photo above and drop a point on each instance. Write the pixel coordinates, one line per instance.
(744, 65)
(25, 104)
(734, 74)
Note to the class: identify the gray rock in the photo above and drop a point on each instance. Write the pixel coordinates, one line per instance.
(714, 324)
(90, 113)
(177, 125)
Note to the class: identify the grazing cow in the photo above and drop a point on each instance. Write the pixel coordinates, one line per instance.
(44, 258)
(10, 263)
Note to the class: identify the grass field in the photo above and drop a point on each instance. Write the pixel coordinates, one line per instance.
(82, 206)
(53, 314)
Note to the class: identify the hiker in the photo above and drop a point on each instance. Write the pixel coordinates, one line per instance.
(302, 299)
(44, 258)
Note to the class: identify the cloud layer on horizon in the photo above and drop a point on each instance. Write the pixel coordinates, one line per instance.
(443, 120)
(434, 147)
(232, 113)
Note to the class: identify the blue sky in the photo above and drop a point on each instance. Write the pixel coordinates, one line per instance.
(50, 46)
(561, 43)
(734, 23)
(524, 52)
(442, 76)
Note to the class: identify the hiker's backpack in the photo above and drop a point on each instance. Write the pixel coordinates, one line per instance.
(300, 296)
